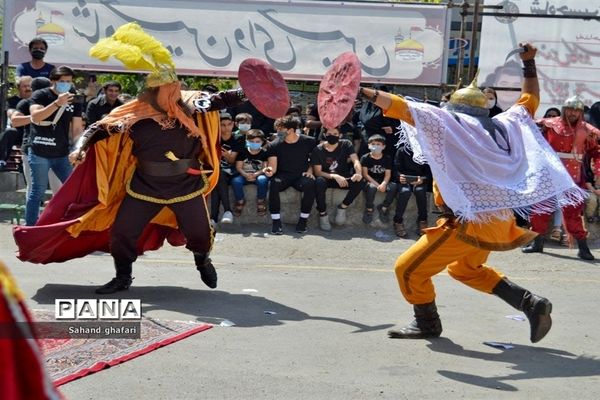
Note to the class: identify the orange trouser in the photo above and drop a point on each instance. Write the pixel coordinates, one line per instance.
(431, 254)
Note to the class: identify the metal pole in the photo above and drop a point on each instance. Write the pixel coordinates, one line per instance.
(460, 62)
(474, 27)
(3, 91)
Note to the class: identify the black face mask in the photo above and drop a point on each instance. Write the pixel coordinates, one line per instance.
(332, 139)
(38, 54)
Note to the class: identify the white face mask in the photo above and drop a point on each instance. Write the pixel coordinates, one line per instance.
(491, 103)
(298, 131)
(244, 127)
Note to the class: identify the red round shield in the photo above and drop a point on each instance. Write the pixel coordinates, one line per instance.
(265, 87)
(338, 89)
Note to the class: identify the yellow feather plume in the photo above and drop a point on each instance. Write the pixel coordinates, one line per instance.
(133, 34)
(131, 56)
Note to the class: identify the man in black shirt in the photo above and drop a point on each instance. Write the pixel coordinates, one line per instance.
(14, 135)
(56, 121)
(288, 164)
(20, 119)
(104, 103)
(336, 165)
(411, 178)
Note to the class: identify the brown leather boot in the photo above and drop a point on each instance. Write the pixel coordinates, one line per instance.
(427, 324)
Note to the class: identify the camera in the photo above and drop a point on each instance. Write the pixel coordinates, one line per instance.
(78, 99)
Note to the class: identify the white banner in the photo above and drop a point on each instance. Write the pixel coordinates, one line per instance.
(395, 43)
(568, 58)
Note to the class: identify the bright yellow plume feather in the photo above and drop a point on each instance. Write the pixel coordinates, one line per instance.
(139, 51)
(133, 34)
(130, 56)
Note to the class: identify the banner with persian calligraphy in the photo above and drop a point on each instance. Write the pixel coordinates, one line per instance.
(568, 58)
(395, 43)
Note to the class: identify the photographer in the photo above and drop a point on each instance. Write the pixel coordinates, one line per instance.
(55, 123)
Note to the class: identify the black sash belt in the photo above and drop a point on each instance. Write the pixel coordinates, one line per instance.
(166, 168)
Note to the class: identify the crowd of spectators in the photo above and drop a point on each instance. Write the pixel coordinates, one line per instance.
(360, 156)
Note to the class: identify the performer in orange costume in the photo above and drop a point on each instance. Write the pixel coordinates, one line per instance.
(571, 137)
(482, 168)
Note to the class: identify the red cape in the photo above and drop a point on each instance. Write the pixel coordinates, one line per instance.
(49, 241)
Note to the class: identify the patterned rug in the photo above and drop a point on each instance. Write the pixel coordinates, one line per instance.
(70, 359)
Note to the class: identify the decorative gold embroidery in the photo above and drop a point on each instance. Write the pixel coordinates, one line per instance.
(156, 200)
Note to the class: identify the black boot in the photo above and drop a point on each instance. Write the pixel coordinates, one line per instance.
(536, 308)
(427, 324)
(117, 284)
(208, 274)
(536, 246)
(584, 251)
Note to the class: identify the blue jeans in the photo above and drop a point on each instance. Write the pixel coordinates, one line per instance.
(39, 181)
(238, 182)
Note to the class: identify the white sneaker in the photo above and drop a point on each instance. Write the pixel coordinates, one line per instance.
(340, 216)
(227, 217)
(324, 222)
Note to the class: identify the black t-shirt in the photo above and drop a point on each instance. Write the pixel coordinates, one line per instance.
(235, 143)
(292, 158)
(334, 162)
(13, 101)
(375, 167)
(404, 164)
(23, 108)
(98, 108)
(252, 162)
(52, 141)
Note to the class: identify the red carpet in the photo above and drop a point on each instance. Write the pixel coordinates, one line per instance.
(70, 359)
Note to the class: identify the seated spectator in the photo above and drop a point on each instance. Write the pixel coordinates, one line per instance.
(288, 165)
(250, 164)
(104, 103)
(335, 165)
(296, 111)
(377, 172)
(231, 145)
(411, 178)
(13, 136)
(243, 123)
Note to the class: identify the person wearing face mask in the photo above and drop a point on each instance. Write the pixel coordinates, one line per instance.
(243, 122)
(492, 102)
(250, 164)
(377, 171)
(288, 165)
(36, 67)
(335, 165)
(55, 123)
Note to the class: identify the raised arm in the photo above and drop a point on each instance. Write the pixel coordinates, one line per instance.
(393, 106)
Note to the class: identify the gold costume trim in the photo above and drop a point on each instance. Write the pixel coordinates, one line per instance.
(525, 238)
(173, 200)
